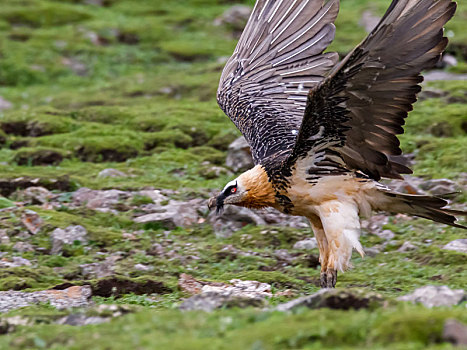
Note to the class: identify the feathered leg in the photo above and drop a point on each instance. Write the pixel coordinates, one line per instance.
(341, 226)
(327, 278)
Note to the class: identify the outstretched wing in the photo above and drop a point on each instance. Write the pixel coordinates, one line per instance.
(353, 117)
(278, 59)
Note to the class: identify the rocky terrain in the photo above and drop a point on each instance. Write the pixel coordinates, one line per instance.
(111, 143)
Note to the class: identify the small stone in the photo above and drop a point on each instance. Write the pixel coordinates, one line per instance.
(23, 247)
(232, 219)
(306, 244)
(111, 173)
(4, 238)
(458, 245)
(387, 235)
(286, 293)
(175, 214)
(407, 247)
(98, 199)
(15, 261)
(455, 332)
(36, 195)
(189, 284)
(69, 235)
(82, 320)
(4, 104)
(449, 60)
(371, 251)
(431, 296)
(156, 250)
(142, 267)
(32, 221)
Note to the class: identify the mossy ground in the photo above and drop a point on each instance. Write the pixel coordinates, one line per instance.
(131, 85)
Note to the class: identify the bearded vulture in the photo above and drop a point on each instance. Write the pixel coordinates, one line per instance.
(322, 132)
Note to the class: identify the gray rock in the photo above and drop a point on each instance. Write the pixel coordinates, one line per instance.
(375, 223)
(142, 267)
(4, 238)
(448, 60)
(274, 217)
(436, 75)
(32, 221)
(334, 299)
(213, 172)
(100, 269)
(387, 235)
(427, 93)
(23, 247)
(371, 251)
(15, 261)
(69, 235)
(210, 301)
(455, 332)
(459, 245)
(78, 67)
(4, 104)
(175, 214)
(239, 156)
(94, 199)
(232, 219)
(76, 296)
(82, 320)
(306, 244)
(439, 186)
(111, 173)
(156, 196)
(407, 247)
(431, 296)
(36, 195)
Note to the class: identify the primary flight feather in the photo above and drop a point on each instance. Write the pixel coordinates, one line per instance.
(323, 132)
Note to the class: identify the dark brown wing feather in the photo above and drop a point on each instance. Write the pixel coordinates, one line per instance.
(360, 108)
(278, 59)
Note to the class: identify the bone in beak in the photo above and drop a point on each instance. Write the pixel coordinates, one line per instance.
(212, 203)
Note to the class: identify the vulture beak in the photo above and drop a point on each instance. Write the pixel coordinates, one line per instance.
(212, 202)
(217, 202)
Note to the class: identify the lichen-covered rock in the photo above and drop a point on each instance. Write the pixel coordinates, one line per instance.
(69, 235)
(76, 296)
(431, 296)
(334, 299)
(458, 245)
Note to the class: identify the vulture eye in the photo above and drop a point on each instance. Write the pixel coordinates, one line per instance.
(233, 190)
